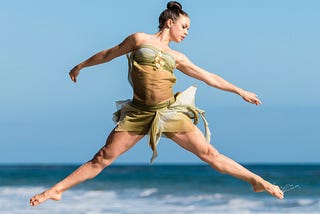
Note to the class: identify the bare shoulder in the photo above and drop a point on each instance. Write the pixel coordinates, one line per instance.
(138, 36)
(180, 58)
(141, 38)
(133, 40)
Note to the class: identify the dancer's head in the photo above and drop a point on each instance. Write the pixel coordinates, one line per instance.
(175, 20)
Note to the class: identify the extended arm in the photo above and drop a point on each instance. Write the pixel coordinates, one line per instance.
(187, 67)
(104, 56)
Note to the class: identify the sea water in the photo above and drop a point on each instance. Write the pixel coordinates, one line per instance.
(160, 189)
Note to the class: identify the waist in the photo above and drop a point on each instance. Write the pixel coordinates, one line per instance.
(140, 105)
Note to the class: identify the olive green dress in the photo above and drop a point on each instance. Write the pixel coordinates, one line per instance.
(151, 77)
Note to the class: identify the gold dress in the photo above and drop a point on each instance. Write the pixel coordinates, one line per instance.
(151, 77)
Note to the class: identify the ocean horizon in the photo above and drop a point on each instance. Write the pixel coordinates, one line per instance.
(161, 188)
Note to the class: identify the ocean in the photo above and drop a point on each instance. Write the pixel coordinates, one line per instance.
(160, 189)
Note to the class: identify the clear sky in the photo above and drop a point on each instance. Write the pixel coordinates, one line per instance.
(269, 47)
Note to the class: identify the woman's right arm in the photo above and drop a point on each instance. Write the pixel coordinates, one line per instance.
(105, 56)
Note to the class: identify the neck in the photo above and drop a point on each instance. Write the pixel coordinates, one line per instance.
(163, 36)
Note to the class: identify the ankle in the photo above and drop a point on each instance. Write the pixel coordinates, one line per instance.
(56, 190)
(256, 180)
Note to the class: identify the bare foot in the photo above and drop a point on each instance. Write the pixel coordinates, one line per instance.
(261, 185)
(42, 197)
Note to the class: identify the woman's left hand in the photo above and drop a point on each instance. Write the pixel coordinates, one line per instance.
(250, 97)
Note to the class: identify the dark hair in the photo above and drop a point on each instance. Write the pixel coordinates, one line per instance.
(173, 11)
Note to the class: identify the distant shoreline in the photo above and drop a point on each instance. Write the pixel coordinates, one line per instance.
(154, 165)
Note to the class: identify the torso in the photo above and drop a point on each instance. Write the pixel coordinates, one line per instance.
(152, 74)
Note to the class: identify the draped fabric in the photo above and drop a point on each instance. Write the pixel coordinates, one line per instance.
(151, 77)
(161, 119)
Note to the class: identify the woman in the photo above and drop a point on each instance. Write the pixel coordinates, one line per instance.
(154, 109)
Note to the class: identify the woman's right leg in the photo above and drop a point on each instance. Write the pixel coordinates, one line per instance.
(117, 143)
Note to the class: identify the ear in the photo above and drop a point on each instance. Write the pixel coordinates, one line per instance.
(169, 23)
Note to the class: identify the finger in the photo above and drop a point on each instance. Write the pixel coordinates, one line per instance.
(257, 102)
(73, 78)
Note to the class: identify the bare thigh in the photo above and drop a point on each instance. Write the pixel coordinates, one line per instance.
(118, 142)
(194, 142)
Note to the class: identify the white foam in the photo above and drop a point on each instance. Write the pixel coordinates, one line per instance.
(148, 192)
(14, 200)
(305, 202)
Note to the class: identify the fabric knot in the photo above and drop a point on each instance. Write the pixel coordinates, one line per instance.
(158, 62)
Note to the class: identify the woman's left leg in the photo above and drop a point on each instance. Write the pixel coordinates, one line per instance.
(195, 142)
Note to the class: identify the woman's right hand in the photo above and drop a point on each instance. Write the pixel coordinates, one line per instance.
(74, 73)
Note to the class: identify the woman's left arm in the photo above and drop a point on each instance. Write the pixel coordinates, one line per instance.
(187, 67)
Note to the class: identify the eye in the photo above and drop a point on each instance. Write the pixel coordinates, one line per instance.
(185, 26)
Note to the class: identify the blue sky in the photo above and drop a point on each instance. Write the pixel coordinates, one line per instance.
(269, 47)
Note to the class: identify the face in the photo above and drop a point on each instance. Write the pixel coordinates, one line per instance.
(179, 28)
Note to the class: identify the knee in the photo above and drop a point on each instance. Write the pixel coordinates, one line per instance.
(214, 159)
(103, 159)
(209, 155)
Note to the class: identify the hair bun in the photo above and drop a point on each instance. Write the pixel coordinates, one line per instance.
(174, 5)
